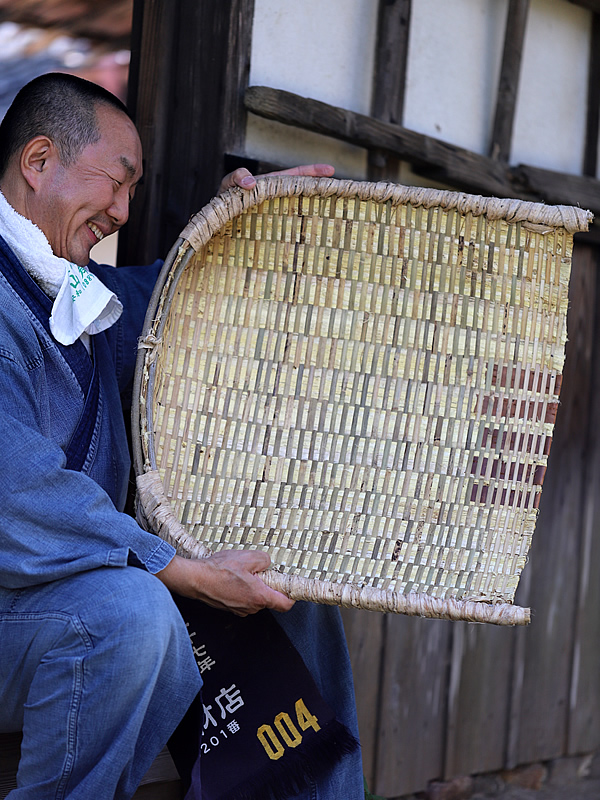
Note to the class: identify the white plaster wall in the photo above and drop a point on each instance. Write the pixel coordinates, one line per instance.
(550, 121)
(455, 51)
(105, 252)
(315, 48)
(324, 49)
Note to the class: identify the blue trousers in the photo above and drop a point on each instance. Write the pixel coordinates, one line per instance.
(97, 670)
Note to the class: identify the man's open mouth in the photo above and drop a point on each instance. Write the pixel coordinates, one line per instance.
(95, 230)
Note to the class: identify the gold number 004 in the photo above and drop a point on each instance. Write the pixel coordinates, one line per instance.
(287, 730)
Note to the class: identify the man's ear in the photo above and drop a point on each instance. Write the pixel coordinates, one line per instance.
(38, 157)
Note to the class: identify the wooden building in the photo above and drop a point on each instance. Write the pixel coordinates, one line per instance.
(498, 98)
(494, 97)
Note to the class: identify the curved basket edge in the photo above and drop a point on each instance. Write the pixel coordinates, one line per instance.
(155, 513)
(221, 209)
(412, 604)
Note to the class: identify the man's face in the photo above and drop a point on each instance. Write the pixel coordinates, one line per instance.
(88, 200)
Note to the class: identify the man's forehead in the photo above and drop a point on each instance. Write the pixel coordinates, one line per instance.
(119, 135)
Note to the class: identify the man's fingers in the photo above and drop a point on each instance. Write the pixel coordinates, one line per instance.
(311, 170)
(243, 178)
(278, 601)
(240, 177)
(227, 579)
(255, 562)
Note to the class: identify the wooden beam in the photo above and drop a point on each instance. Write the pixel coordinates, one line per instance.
(591, 5)
(560, 188)
(450, 164)
(190, 66)
(508, 84)
(592, 128)
(389, 78)
(438, 160)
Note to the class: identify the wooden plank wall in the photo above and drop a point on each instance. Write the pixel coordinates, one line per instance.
(435, 699)
(584, 698)
(440, 699)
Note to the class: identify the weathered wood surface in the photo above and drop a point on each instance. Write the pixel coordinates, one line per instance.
(365, 631)
(411, 734)
(187, 101)
(584, 699)
(508, 85)
(389, 80)
(558, 188)
(543, 708)
(149, 100)
(448, 163)
(478, 690)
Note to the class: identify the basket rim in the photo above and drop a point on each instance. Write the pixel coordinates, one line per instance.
(233, 202)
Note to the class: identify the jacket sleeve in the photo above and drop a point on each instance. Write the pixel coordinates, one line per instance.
(55, 522)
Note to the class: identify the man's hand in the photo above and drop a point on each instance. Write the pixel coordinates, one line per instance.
(245, 180)
(225, 580)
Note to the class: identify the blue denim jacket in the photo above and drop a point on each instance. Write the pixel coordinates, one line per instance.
(61, 495)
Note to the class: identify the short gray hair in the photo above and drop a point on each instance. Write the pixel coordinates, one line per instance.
(59, 106)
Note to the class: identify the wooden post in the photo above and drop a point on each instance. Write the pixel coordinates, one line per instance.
(366, 632)
(389, 79)
(592, 128)
(190, 65)
(506, 102)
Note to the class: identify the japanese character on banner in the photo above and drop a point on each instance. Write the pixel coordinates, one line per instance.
(234, 700)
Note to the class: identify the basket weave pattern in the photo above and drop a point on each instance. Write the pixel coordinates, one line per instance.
(364, 386)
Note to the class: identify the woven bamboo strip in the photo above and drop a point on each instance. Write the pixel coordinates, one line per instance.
(363, 380)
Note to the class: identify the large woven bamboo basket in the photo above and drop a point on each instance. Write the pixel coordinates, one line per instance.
(361, 379)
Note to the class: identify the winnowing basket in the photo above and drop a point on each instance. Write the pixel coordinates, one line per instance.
(361, 379)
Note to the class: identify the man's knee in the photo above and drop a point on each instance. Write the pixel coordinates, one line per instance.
(142, 604)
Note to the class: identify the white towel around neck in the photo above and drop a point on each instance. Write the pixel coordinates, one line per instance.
(82, 303)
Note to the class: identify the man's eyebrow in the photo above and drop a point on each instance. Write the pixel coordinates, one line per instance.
(131, 170)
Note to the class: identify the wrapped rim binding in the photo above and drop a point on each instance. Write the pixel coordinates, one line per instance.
(361, 379)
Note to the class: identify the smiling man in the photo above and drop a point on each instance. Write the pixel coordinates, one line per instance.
(77, 204)
(96, 666)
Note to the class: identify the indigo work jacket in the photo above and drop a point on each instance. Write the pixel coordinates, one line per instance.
(64, 460)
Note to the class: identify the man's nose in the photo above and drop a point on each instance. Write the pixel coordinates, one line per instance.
(119, 209)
